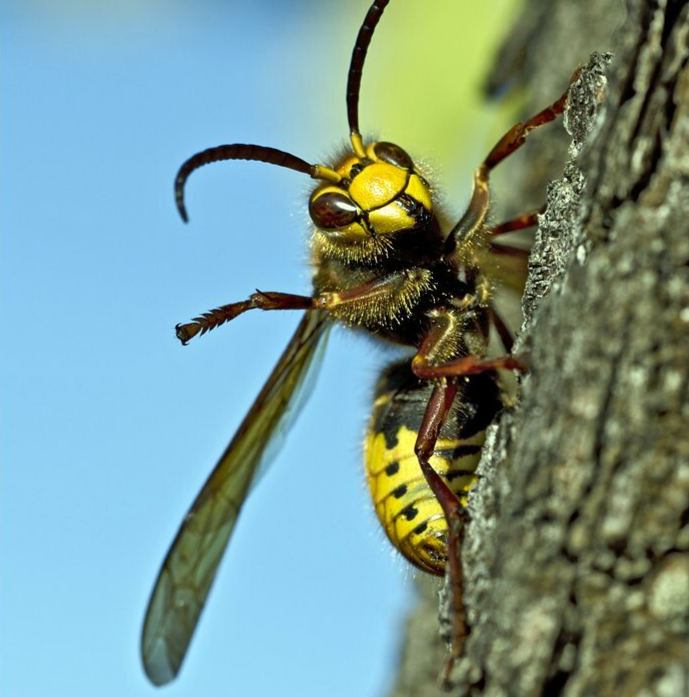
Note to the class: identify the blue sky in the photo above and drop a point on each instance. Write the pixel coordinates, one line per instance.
(109, 427)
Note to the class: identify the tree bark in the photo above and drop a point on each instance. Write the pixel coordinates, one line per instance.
(577, 554)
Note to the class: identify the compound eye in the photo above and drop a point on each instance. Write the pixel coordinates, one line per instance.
(331, 211)
(393, 155)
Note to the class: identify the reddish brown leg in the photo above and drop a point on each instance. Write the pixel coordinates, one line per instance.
(503, 330)
(259, 300)
(515, 137)
(456, 524)
(521, 222)
(435, 415)
(476, 214)
(437, 410)
(380, 288)
(469, 365)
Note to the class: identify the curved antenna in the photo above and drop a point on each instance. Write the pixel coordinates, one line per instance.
(240, 151)
(356, 66)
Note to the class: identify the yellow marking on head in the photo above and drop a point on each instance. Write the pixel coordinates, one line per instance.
(354, 230)
(327, 189)
(345, 169)
(390, 219)
(377, 184)
(419, 191)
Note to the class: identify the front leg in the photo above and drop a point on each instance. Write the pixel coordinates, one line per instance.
(456, 342)
(380, 298)
(463, 236)
(225, 313)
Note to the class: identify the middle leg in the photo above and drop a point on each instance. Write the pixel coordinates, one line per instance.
(455, 346)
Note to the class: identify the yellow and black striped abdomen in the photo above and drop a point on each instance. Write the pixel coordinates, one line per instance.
(408, 511)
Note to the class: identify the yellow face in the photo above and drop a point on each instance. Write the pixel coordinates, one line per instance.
(379, 195)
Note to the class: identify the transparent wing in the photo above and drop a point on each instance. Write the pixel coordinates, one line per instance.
(193, 559)
(505, 265)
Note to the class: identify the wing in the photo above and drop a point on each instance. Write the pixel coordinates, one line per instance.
(193, 559)
(505, 265)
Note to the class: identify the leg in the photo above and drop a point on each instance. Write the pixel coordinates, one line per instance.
(451, 334)
(475, 216)
(515, 137)
(502, 329)
(436, 412)
(521, 222)
(371, 292)
(468, 365)
(264, 301)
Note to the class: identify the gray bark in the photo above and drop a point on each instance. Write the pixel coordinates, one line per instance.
(577, 555)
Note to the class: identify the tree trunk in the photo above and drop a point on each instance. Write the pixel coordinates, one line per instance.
(577, 555)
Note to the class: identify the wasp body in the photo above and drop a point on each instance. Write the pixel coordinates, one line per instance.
(383, 262)
(409, 512)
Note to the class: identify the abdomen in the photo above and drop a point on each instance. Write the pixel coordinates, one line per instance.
(406, 507)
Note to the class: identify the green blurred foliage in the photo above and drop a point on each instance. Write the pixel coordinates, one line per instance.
(422, 85)
(423, 80)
